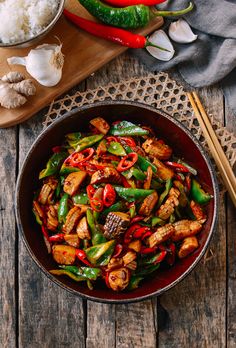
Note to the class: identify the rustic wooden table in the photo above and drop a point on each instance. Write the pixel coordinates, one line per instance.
(35, 313)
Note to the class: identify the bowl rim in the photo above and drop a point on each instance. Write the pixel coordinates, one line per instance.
(44, 31)
(207, 160)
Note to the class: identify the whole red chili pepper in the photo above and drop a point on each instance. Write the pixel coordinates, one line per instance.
(82, 257)
(179, 167)
(57, 237)
(109, 195)
(124, 3)
(127, 162)
(117, 35)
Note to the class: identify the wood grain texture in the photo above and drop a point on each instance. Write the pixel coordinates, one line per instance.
(84, 54)
(195, 310)
(8, 257)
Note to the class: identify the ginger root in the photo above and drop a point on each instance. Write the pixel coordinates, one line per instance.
(14, 89)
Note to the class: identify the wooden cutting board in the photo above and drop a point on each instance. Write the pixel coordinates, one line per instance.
(83, 52)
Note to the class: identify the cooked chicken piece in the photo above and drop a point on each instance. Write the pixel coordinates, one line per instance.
(163, 172)
(135, 245)
(72, 219)
(166, 209)
(115, 262)
(116, 224)
(100, 124)
(52, 221)
(185, 228)
(148, 180)
(129, 257)
(157, 148)
(47, 190)
(188, 246)
(82, 229)
(73, 182)
(119, 279)
(106, 175)
(198, 212)
(148, 204)
(161, 235)
(64, 254)
(72, 239)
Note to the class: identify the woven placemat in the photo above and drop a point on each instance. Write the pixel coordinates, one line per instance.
(158, 90)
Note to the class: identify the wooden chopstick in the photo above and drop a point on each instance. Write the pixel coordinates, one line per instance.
(214, 146)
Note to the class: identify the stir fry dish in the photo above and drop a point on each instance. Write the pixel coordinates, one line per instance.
(116, 204)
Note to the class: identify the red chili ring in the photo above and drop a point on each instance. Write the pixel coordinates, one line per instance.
(127, 162)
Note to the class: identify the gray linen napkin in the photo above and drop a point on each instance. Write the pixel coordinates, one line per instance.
(212, 57)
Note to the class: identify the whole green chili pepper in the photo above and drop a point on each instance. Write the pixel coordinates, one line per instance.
(81, 198)
(53, 165)
(198, 194)
(85, 272)
(165, 192)
(97, 235)
(132, 194)
(63, 208)
(88, 141)
(116, 149)
(125, 128)
(142, 162)
(134, 282)
(73, 139)
(95, 253)
(127, 17)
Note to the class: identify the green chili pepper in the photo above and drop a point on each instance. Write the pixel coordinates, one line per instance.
(118, 206)
(37, 218)
(138, 174)
(116, 149)
(81, 198)
(198, 194)
(53, 164)
(132, 211)
(142, 162)
(165, 192)
(191, 169)
(63, 208)
(172, 219)
(73, 139)
(132, 194)
(68, 273)
(88, 141)
(100, 254)
(134, 282)
(157, 221)
(156, 185)
(126, 17)
(85, 272)
(97, 235)
(125, 128)
(65, 169)
(89, 284)
(146, 270)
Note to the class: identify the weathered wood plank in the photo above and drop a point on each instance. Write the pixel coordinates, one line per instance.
(8, 254)
(196, 308)
(48, 316)
(231, 243)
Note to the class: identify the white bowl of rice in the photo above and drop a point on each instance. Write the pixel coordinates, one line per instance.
(24, 22)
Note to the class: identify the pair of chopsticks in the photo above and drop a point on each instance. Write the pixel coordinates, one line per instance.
(214, 146)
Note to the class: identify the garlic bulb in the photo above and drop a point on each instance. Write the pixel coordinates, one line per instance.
(44, 63)
(160, 38)
(181, 32)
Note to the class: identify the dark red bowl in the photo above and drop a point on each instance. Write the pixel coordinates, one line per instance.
(176, 135)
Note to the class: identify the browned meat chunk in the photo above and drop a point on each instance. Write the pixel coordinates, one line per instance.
(185, 228)
(157, 149)
(119, 279)
(107, 175)
(161, 235)
(100, 124)
(64, 254)
(148, 204)
(72, 239)
(82, 229)
(73, 182)
(52, 221)
(198, 212)
(166, 209)
(116, 224)
(47, 190)
(163, 171)
(72, 218)
(188, 246)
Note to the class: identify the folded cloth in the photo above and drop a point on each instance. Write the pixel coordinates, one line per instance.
(212, 57)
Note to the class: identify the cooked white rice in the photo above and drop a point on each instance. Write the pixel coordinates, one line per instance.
(23, 19)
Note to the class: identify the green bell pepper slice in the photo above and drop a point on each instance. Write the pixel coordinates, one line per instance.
(73, 139)
(125, 128)
(142, 161)
(63, 208)
(96, 233)
(100, 254)
(165, 192)
(86, 142)
(198, 194)
(53, 164)
(81, 198)
(132, 194)
(90, 273)
(116, 149)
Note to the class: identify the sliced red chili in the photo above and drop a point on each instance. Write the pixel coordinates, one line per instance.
(89, 168)
(45, 232)
(109, 195)
(125, 182)
(127, 141)
(161, 257)
(96, 201)
(129, 233)
(118, 249)
(90, 191)
(127, 162)
(177, 166)
(136, 219)
(77, 157)
(57, 237)
(82, 257)
(140, 232)
(111, 138)
(145, 250)
(145, 235)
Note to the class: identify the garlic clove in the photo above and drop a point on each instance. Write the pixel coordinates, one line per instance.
(44, 63)
(160, 38)
(181, 32)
